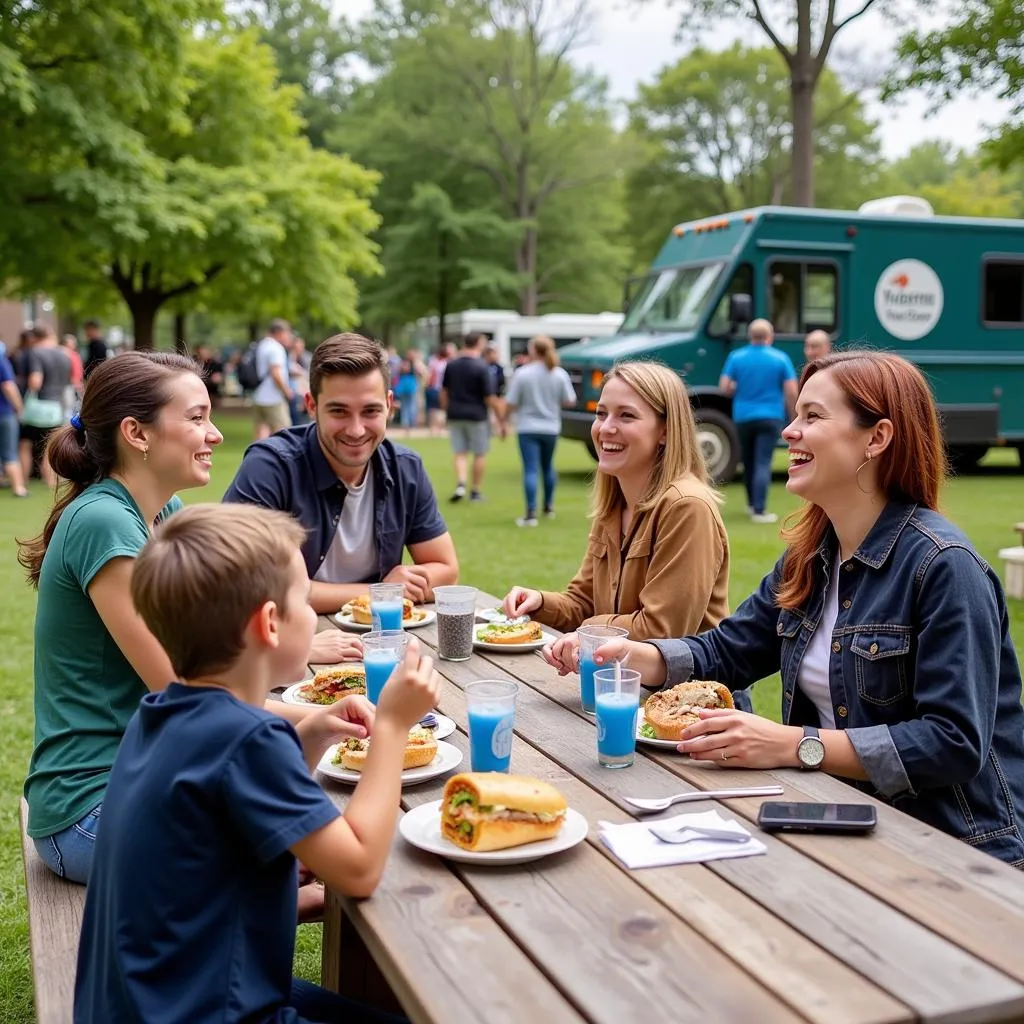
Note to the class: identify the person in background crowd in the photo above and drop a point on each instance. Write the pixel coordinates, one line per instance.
(537, 394)
(435, 375)
(658, 553)
(10, 408)
(817, 344)
(96, 346)
(212, 371)
(272, 397)
(762, 383)
(467, 396)
(19, 360)
(69, 343)
(49, 377)
(407, 395)
(891, 633)
(362, 499)
(298, 376)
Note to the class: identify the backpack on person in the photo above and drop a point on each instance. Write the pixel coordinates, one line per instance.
(248, 373)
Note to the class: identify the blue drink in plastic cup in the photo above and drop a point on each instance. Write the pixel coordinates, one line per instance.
(617, 698)
(590, 638)
(492, 713)
(382, 651)
(386, 605)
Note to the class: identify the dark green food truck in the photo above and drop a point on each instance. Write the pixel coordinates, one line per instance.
(945, 292)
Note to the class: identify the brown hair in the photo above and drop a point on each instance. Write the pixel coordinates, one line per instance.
(662, 389)
(544, 347)
(135, 385)
(877, 386)
(347, 355)
(205, 572)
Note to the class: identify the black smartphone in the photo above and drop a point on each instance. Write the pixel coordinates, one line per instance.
(806, 817)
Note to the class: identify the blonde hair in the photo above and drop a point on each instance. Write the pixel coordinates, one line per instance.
(663, 390)
(544, 347)
(205, 572)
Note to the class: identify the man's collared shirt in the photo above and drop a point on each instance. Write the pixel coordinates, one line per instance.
(290, 472)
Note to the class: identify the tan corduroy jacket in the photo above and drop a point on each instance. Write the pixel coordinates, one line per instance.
(672, 581)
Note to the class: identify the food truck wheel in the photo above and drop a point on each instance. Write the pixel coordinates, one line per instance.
(719, 442)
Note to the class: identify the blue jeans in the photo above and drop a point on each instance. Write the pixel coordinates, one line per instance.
(757, 444)
(538, 454)
(407, 411)
(314, 1003)
(69, 853)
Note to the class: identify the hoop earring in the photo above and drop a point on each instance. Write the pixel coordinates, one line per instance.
(856, 476)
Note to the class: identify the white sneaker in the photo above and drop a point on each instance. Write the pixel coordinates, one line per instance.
(532, 521)
(763, 517)
(750, 510)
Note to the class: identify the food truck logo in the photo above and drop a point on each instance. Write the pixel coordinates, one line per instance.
(908, 299)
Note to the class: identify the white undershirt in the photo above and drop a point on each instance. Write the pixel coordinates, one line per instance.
(352, 556)
(812, 677)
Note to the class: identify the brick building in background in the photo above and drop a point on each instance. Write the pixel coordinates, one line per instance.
(17, 314)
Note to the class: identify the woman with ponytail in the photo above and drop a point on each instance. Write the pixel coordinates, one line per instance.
(891, 633)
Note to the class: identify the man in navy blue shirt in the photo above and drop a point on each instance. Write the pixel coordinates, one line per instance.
(361, 498)
(762, 382)
(190, 909)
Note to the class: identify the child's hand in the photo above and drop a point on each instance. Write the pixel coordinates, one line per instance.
(412, 690)
(351, 716)
(563, 654)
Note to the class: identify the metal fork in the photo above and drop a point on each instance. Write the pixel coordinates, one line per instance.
(656, 804)
(688, 832)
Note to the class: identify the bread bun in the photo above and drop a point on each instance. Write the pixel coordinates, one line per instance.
(669, 712)
(420, 750)
(359, 609)
(513, 633)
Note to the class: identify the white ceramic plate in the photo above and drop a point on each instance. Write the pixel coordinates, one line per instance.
(346, 621)
(422, 828)
(448, 757)
(292, 696)
(530, 645)
(663, 744)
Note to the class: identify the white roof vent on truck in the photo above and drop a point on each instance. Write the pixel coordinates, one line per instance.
(898, 206)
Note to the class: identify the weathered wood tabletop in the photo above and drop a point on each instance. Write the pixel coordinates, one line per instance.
(905, 924)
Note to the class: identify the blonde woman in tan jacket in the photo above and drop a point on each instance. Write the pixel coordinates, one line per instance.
(657, 560)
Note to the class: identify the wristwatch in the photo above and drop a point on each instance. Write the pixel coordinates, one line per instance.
(810, 751)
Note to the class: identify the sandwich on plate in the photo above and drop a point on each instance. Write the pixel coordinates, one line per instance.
(332, 684)
(359, 609)
(484, 811)
(669, 712)
(512, 633)
(420, 750)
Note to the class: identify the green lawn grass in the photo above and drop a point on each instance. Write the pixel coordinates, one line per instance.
(494, 555)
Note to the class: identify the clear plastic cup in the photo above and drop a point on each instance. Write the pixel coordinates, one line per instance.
(382, 651)
(491, 704)
(617, 700)
(386, 603)
(590, 638)
(456, 616)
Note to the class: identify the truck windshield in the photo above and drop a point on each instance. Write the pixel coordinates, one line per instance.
(672, 300)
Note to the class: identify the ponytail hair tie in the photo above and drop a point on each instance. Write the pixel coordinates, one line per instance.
(76, 422)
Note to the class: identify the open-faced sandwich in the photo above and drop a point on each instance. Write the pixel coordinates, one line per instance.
(359, 609)
(669, 712)
(512, 633)
(484, 811)
(331, 684)
(420, 750)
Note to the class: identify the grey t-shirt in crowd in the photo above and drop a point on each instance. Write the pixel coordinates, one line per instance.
(54, 365)
(352, 556)
(538, 395)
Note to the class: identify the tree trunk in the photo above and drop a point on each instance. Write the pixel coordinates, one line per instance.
(181, 333)
(254, 331)
(802, 98)
(526, 264)
(442, 286)
(144, 309)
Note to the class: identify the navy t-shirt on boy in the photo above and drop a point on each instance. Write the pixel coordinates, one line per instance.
(191, 905)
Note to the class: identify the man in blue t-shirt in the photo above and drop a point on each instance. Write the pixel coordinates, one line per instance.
(191, 903)
(762, 383)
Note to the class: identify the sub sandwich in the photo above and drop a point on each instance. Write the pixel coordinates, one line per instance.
(332, 684)
(359, 609)
(513, 633)
(420, 750)
(669, 712)
(484, 811)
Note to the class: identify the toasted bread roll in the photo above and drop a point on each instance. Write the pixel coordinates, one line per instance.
(420, 750)
(669, 712)
(516, 633)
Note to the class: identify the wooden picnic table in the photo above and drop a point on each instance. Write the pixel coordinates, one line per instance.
(904, 924)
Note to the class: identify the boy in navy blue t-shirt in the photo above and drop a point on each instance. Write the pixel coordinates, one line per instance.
(191, 903)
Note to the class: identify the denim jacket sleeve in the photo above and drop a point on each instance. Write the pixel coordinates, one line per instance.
(738, 652)
(260, 480)
(956, 679)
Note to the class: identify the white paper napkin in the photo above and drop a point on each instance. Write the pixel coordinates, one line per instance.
(636, 847)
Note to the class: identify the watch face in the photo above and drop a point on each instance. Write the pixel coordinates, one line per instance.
(811, 752)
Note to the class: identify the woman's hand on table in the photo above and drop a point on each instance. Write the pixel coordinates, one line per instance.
(563, 654)
(741, 739)
(520, 601)
(333, 646)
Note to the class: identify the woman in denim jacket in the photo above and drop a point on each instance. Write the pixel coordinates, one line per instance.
(889, 630)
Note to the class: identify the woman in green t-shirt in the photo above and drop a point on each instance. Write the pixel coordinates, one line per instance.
(144, 432)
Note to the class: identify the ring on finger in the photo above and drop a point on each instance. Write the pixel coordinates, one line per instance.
(725, 756)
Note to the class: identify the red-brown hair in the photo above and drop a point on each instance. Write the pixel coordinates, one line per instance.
(877, 386)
